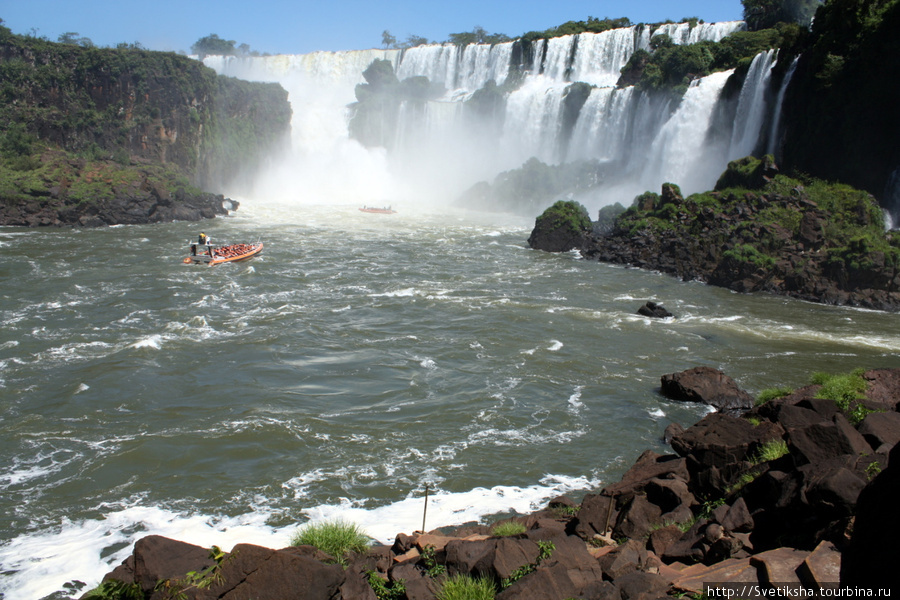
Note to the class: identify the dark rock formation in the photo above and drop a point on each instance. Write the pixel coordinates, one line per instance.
(723, 511)
(654, 310)
(767, 238)
(126, 135)
(707, 386)
(562, 227)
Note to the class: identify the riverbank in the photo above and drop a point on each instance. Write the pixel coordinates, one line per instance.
(785, 492)
(62, 190)
(757, 231)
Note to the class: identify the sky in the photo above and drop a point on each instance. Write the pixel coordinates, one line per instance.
(303, 26)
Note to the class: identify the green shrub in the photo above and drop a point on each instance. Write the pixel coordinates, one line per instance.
(337, 538)
(772, 393)
(507, 528)
(394, 590)
(842, 389)
(771, 450)
(463, 587)
(113, 589)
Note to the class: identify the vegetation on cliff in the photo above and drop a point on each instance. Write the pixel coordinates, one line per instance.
(760, 230)
(840, 111)
(128, 109)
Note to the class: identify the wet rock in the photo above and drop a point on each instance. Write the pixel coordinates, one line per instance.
(654, 310)
(707, 386)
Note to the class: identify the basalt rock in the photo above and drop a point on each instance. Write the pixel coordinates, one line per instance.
(707, 386)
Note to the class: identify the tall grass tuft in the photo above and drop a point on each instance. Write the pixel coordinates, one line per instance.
(463, 587)
(508, 528)
(337, 538)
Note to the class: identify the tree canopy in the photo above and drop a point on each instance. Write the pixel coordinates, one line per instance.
(762, 14)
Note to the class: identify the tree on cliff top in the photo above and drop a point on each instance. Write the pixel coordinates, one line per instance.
(762, 14)
(213, 44)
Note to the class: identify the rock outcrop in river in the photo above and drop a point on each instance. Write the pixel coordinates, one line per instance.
(758, 231)
(769, 496)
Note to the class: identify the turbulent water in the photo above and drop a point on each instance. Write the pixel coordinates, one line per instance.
(359, 359)
(363, 358)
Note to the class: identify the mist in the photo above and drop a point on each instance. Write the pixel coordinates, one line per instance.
(500, 108)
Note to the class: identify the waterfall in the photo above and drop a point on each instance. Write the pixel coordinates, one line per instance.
(775, 131)
(679, 154)
(439, 149)
(683, 33)
(892, 200)
(751, 109)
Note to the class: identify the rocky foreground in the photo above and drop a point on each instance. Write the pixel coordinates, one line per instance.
(796, 490)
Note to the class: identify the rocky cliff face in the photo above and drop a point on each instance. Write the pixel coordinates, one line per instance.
(130, 107)
(761, 232)
(840, 109)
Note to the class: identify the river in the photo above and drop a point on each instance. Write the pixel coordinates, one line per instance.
(359, 359)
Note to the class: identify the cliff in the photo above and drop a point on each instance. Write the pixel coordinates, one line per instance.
(128, 110)
(840, 111)
(758, 231)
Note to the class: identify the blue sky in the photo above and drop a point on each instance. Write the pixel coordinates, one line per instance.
(301, 26)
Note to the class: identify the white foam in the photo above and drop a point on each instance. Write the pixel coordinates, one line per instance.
(555, 346)
(40, 563)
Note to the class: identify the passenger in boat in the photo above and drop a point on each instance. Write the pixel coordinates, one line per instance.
(203, 240)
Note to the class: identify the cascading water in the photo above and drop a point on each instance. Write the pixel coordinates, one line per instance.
(437, 150)
(751, 109)
(775, 131)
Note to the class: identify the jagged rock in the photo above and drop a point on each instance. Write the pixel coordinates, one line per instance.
(661, 539)
(494, 557)
(548, 582)
(708, 386)
(881, 430)
(560, 228)
(654, 310)
(738, 517)
(823, 441)
(822, 566)
(883, 387)
(627, 558)
(720, 440)
(637, 518)
(779, 565)
(872, 555)
(641, 586)
(156, 558)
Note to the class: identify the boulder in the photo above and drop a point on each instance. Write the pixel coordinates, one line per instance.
(707, 386)
(823, 441)
(494, 557)
(871, 556)
(654, 310)
(719, 440)
(881, 430)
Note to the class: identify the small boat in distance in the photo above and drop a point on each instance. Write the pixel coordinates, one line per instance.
(387, 210)
(213, 254)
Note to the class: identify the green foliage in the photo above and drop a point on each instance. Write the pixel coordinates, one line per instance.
(591, 25)
(846, 390)
(747, 253)
(337, 538)
(507, 529)
(429, 561)
(463, 587)
(177, 589)
(546, 551)
(760, 14)
(769, 451)
(113, 589)
(394, 590)
(213, 44)
(566, 214)
(772, 393)
(478, 35)
(872, 470)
